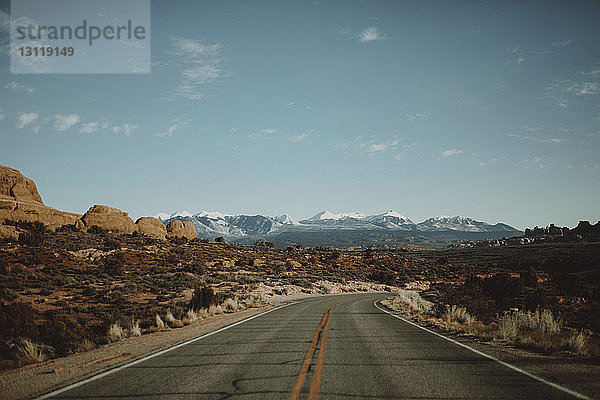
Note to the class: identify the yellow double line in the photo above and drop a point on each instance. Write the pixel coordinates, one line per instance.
(315, 385)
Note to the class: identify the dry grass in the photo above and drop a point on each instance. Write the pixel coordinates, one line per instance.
(29, 352)
(578, 343)
(459, 314)
(408, 301)
(512, 324)
(160, 324)
(215, 310)
(231, 305)
(135, 329)
(115, 333)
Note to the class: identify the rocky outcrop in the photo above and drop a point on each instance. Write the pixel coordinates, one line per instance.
(108, 218)
(20, 201)
(151, 227)
(183, 229)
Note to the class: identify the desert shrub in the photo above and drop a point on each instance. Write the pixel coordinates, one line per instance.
(113, 264)
(568, 284)
(135, 329)
(96, 230)
(172, 321)
(63, 332)
(178, 240)
(203, 297)
(7, 294)
(529, 279)
(17, 320)
(536, 300)
(577, 343)
(459, 314)
(503, 288)
(383, 276)
(160, 324)
(514, 323)
(35, 235)
(409, 300)
(195, 267)
(112, 244)
(115, 333)
(29, 352)
(68, 228)
(231, 305)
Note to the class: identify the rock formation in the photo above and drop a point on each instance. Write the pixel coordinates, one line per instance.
(183, 229)
(107, 218)
(151, 227)
(20, 201)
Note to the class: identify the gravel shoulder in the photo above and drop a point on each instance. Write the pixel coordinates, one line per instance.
(40, 378)
(578, 374)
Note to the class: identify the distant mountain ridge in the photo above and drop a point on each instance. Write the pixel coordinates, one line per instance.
(211, 224)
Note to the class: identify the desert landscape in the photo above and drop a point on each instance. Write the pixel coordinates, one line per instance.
(72, 283)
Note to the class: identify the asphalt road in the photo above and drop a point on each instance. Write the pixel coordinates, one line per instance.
(335, 347)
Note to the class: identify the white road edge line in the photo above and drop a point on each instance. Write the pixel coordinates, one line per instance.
(148, 357)
(529, 374)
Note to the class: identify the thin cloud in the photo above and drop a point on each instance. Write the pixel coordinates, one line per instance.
(584, 88)
(28, 120)
(65, 122)
(451, 152)
(263, 134)
(382, 146)
(199, 64)
(539, 139)
(125, 129)
(488, 162)
(370, 34)
(298, 138)
(533, 162)
(89, 127)
(175, 125)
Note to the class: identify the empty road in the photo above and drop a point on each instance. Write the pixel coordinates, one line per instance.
(335, 347)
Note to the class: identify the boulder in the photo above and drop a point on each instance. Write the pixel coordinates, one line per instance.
(151, 227)
(183, 229)
(20, 201)
(108, 218)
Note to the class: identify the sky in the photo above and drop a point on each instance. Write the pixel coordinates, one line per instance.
(489, 110)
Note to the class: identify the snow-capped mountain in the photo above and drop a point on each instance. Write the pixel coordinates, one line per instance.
(286, 220)
(180, 214)
(209, 224)
(463, 224)
(328, 215)
(212, 224)
(391, 220)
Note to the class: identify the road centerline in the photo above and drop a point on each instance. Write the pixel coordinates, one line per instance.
(315, 385)
(297, 389)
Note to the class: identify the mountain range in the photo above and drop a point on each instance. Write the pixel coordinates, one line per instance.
(244, 228)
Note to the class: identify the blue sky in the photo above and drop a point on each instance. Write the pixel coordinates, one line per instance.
(489, 110)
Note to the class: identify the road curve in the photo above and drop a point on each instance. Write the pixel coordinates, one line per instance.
(335, 347)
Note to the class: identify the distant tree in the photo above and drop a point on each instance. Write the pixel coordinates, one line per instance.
(220, 239)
